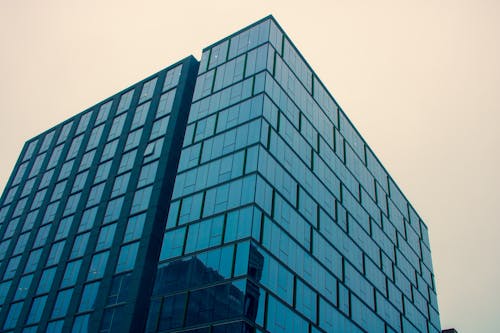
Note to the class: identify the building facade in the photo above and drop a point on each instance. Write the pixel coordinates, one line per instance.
(229, 195)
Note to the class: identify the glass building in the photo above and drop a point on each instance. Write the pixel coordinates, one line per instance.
(227, 195)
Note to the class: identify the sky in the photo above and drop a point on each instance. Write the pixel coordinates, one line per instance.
(419, 79)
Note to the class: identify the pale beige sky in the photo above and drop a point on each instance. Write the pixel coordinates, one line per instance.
(419, 79)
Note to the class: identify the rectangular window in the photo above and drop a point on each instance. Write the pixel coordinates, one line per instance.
(128, 255)
(58, 191)
(84, 122)
(141, 200)
(88, 296)
(64, 132)
(79, 245)
(41, 237)
(148, 174)
(106, 237)
(66, 170)
(46, 280)
(120, 186)
(55, 253)
(103, 112)
(148, 89)
(87, 160)
(95, 137)
(71, 273)
(165, 104)
(141, 113)
(37, 165)
(62, 303)
(98, 266)
(11, 267)
(64, 226)
(79, 182)
(33, 261)
(159, 128)
(102, 172)
(47, 141)
(113, 210)
(109, 150)
(75, 147)
(172, 78)
(54, 158)
(133, 139)
(21, 243)
(23, 286)
(125, 101)
(95, 195)
(127, 161)
(88, 219)
(46, 179)
(71, 204)
(36, 310)
(37, 201)
(13, 315)
(117, 127)
(135, 226)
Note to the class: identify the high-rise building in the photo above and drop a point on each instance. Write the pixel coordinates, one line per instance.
(229, 195)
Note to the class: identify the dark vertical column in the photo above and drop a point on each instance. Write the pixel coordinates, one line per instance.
(168, 165)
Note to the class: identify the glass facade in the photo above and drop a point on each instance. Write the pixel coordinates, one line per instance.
(229, 195)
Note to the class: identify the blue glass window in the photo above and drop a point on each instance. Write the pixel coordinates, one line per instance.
(66, 170)
(133, 139)
(141, 200)
(148, 89)
(46, 179)
(75, 147)
(21, 243)
(87, 160)
(62, 303)
(125, 101)
(46, 280)
(58, 191)
(166, 102)
(13, 315)
(113, 210)
(33, 260)
(88, 296)
(64, 132)
(128, 255)
(23, 287)
(148, 174)
(36, 310)
(84, 122)
(127, 161)
(95, 137)
(98, 265)
(135, 226)
(140, 115)
(4, 289)
(55, 253)
(95, 195)
(109, 150)
(81, 324)
(71, 273)
(64, 227)
(103, 112)
(71, 204)
(87, 219)
(120, 185)
(106, 237)
(117, 127)
(79, 181)
(79, 245)
(42, 235)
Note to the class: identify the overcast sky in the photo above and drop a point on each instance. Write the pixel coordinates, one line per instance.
(419, 79)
